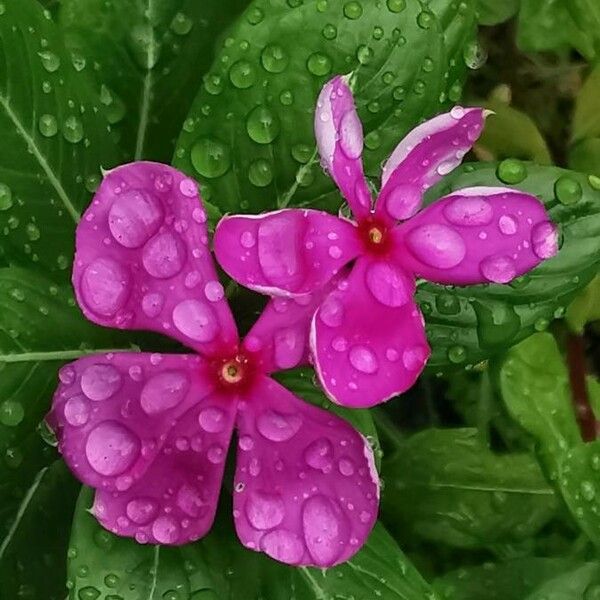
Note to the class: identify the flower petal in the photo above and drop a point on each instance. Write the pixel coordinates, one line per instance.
(279, 338)
(142, 260)
(175, 501)
(306, 487)
(111, 413)
(477, 235)
(285, 253)
(424, 156)
(367, 338)
(339, 136)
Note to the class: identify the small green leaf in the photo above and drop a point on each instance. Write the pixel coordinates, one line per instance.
(492, 12)
(218, 567)
(448, 487)
(535, 387)
(510, 133)
(524, 579)
(54, 141)
(34, 540)
(586, 14)
(148, 58)
(469, 324)
(249, 135)
(586, 120)
(585, 157)
(585, 308)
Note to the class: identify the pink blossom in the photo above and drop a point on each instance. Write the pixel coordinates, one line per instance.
(367, 337)
(150, 432)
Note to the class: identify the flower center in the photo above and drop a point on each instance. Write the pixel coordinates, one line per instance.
(234, 371)
(374, 235)
(231, 372)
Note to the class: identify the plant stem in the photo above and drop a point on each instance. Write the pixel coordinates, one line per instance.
(579, 394)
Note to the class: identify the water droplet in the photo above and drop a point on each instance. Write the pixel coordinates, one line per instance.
(319, 64)
(278, 427)
(414, 358)
(511, 171)
(144, 45)
(331, 312)
(212, 419)
(568, 190)
(165, 530)
(544, 239)
(247, 239)
(469, 211)
(215, 454)
(302, 153)
(351, 135)
(141, 510)
(50, 61)
(508, 224)
(11, 413)
(364, 55)
(274, 58)
(396, 6)
(282, 545)
(246, 443)
(260, 173)
(425, 19)
(190, 501)
(111, 448)
(437, 245)
(213, 84)
(346, 467)
(326, 529)
(353, 10)
(5, 197)
(329, 32)
(498, 269)
(264, 511)
(164, 255)
(196, 320)
(152, 304)
(181, 24)
(100, 382)
(242, 74)
(72, 129)
(457, 354)
(164, 391)
(77, 411)
(588, 491)
(389, 285)
(363, 359)
(32, 231)
(319, 454)
(210, 157)
(88, 593)
(255, 15)
(262, 125)
(474, 55)
(403, 201)
(48, 125)
(134, 217)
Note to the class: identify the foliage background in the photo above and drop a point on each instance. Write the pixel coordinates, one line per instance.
(490, 464)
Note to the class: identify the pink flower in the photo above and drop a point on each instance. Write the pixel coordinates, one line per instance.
(150, 432)
(367, 337)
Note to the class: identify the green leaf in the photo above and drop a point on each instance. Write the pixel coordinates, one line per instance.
(54, 141)
(33, 543)
(492, 12)
(249, 135)
(524, 579)
(585, 157)
(586, 120)
(448, 487)
(149, 57)
(535, 387)
(510, 133)
(549, 25)
(585, 308)
(218, 567)
(586, 14)
(470, 324)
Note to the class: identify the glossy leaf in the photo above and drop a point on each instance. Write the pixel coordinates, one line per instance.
(585, 308)
(55, 139)
(585, 157)
(468, 325)
(447, 486)
(492, 12)
(535, 388)
(586, 120)
(524, 579)
(249, 135)
(218, 567)
(148, 59)
(586, 14)
(43, 519)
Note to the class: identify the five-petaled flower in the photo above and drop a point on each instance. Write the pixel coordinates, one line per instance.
(367, 337)
(150, 432)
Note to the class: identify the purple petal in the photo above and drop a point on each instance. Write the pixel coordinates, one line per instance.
(142, 260)
(339, 136)
(477, 235)
(424, 156)
(111, 413)
(285, 253)
(279, 338)
(175, 501)
(306, 487)
(367, 338)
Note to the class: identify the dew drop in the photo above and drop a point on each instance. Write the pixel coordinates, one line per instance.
(437, 245)
(363, 359)
(111, 448)
(262, 125)
(210, 157)
(498, 269)
(264, 511)
(134, 217)
(212, 419)
(196, 320)
(100, 382)
(164, 255)
(164, 391)
(278, 427)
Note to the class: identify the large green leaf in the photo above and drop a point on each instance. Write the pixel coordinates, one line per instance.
(468, 324)
(249, 135)
(535, 386)
(524, 579)
(54, 140)
(218, 567)
(447, 486)
(492, 12)
(33, 543)
(149, 57)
